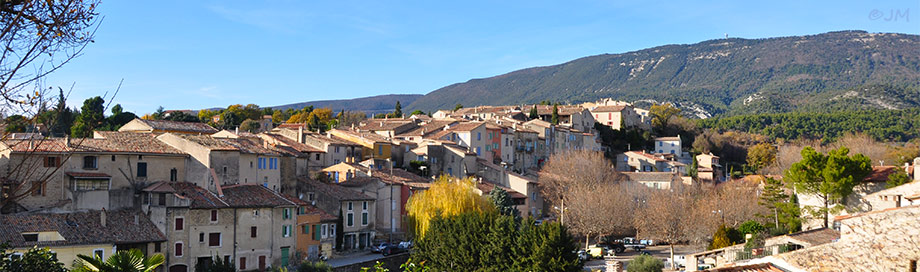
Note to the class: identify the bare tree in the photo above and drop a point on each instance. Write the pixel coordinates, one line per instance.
(667, 216)
(39, 37)
(586, 191)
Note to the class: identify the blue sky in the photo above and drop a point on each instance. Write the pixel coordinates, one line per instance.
(200, 54)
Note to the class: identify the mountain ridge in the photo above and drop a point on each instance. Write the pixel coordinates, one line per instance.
(716, 76)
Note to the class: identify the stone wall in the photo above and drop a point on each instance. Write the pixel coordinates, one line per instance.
(876, 241)
(390, 262)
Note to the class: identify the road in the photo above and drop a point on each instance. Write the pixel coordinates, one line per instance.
(661, 252)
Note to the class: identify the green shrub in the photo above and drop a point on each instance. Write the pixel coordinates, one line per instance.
(644, 263)
(750, 227)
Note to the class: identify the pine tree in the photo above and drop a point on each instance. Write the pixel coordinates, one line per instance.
(398, 112)
(533, 113)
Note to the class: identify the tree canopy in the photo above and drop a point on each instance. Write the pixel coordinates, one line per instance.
(830, 177)
(447, 196)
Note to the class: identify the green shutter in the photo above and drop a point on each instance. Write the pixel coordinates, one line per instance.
(285, 254)
(316, 234)
(306, 229)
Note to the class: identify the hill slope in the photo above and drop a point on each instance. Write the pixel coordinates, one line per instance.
(714, 77)
(370, 105)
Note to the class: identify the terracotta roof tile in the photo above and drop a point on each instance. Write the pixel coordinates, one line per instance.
(608, 109)
(251, 195)
(188, 127)
(334, 191)
(466, 126)
(80, 228)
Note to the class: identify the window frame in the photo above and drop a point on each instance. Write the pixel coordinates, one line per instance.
(179, 223)
(94, 160)
(142, 174)
(214, 216)
(178, 249)
(211, 239)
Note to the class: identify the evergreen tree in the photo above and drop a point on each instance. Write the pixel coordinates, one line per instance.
(720, 239)
(91, 117)
(555, 117)
(398, 112)
(503, 202)
(534, 114)
(830, 177)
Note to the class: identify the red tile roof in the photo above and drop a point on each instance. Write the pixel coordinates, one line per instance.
(293, 144)
(80, 228)
(252, 196)
(609, 109)
(880, 173)
(466, 126)
(334, 191)
(250, 146)
(177, 126)
(108, 142)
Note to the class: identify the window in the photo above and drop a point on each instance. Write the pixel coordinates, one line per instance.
(478, 136)
(478, 151)
(113, 157)
(325, 232)
(364, 205)
(142, 169)
(99, 253)
(495, 146)
(350, 207)
(317, 157)
(180, 223)
(89, 162)
(52, 161)
(213, 216)
(286, 213)
(250, 164)
(286, 231)
(242, 263)
(214, 239)
(173, 174)
(332, 230)
(380, 150)
(306, 229)
(253, 231)
(336, 149)
(364, 218)
(161, 199)
(660, 143)
(350, 219)
(225, 170)
(178, 250)
(38, 188)
(157, 247)
(310, 196)
(31, 237)
(201, 237)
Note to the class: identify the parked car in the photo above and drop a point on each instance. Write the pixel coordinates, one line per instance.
(648, 242)
(379, 247)
(583, 255)
(615, 247)
(405, 245)
(392, 249)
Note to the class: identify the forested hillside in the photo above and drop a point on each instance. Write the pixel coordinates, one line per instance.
(724, 76)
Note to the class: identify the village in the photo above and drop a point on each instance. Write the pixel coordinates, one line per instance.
(286, 194)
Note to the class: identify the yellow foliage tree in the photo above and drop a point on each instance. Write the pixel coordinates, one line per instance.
(299, 118)
(323, 114)
(447, 196)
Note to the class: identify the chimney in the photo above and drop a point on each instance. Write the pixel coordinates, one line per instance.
(370, 171)
(236, 130)
(102, 217)
(67, 140)
(136, 219)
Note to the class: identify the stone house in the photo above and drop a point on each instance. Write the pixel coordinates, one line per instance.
(419, 133)
(64, 174)
(708, 168)
(91, 233)
(616, 117)
(575, 117)
(904, 195)
(166, 126)
(316, 232)
(388, 128)
(374, 145)
(354, 210)
(656, 180)
(246, 223)
(635, 161)
(524, 184)
(668, 145)
(473, 136)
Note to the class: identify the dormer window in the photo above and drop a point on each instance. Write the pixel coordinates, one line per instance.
(30, 237)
